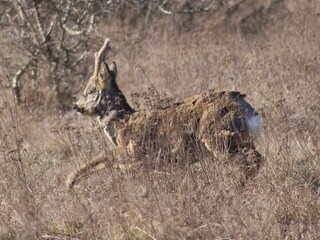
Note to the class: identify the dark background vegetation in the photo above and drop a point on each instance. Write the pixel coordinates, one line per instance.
(165, 51)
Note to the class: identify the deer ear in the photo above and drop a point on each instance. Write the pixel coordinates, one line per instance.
(113, 69)
(104, 69)
(103, 73)
(108, 73)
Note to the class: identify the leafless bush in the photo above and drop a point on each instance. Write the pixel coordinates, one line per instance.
(52, 38)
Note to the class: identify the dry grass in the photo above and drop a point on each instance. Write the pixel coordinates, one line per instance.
(274, 57)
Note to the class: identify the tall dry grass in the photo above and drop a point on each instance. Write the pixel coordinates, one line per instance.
(273, 56)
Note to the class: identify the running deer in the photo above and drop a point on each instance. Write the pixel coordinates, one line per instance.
(222, 122)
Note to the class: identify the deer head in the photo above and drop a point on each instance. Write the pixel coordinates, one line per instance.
(102, 95)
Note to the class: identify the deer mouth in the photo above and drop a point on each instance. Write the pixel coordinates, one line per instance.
(78, 109)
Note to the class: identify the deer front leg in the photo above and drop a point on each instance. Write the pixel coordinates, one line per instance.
(110, 159)
(104, 160)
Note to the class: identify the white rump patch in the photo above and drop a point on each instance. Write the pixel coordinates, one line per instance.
(254, 125)
(253, 119)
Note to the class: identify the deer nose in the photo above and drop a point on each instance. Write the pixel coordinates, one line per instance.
(78, 109)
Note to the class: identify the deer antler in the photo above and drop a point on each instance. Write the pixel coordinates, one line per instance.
(99, 57)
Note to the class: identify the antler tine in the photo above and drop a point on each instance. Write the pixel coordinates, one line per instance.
(99, 57)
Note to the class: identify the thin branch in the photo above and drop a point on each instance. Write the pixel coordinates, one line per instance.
(145, 233)
(66, 12)
(200, 9)
(87, 28)
(164, 10)
(57, 237)
(64, 19)
(79, 59)
(38, 24)
(16, 79)
(91, 21)
(72, 49)
(26, 20)
(73, 32)
(5, 14)
(83, 16)
(148, 79)
(21, 13)
(52, 23)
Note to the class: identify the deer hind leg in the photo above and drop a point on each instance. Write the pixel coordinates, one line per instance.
(250, 160)
(244, 155)
(221, 136)
(216, 130)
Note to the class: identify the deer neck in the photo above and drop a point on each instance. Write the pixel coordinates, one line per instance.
(114, 106)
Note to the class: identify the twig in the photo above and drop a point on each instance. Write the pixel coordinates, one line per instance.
(73, 32)
(163, 10)
(52, 23)
(38, 24)
(16, 79)
(79, 59)
(66, 12)
(146, 76)
(27, 21)
(47, 236)
(145, 233)
(87, 28)
(200, 9)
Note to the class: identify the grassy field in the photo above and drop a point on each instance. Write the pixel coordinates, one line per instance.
(271, 53)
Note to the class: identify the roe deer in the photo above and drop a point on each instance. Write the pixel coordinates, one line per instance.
(219, 121)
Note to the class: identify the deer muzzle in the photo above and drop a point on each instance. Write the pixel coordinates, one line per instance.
(78, 109)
